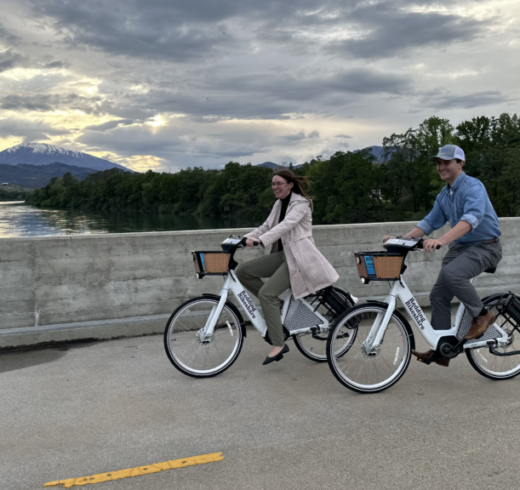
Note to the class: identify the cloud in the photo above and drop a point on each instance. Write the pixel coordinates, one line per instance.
(294, 137)
(52, 65)
(301, 136)
(10, 59)
(175, 31)
(110, 125)
(468, 101)
(48, 102)
(7, 36)
(29, 130)
(186, 31)
(385, 31)
(282, 96)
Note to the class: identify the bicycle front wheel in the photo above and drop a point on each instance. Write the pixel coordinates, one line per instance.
(194, 354)
(313, 344)
(491, 365)
(354, 364)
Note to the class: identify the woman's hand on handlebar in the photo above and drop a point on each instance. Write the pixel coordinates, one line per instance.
(252, 242)
(387, 237)
(431, 245)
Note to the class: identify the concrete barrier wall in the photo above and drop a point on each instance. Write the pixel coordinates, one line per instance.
(104, 286)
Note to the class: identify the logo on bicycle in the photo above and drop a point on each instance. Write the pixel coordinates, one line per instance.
(248, 304)
(416, 312)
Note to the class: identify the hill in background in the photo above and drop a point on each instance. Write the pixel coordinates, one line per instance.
(36, 176)
(269, 165)
(35, 164)
(377, 151)
(43, 154)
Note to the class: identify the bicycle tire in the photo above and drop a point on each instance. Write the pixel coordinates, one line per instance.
(490, 365)
(314, 346)
(188, 353)
(364, 372)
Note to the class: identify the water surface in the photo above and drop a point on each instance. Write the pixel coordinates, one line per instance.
(18, 220)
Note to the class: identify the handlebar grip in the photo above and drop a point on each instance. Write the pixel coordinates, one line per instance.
(255, 244)
(421, 242)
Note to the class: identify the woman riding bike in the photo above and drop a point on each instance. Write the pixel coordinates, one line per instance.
(294, 261)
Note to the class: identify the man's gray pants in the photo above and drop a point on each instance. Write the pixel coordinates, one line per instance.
(460, 264)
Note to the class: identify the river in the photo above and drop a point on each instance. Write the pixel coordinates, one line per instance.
(18, 220)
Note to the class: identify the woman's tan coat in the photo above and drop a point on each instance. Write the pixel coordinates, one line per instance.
(309, 270)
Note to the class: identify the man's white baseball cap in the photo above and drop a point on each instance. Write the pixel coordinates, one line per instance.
(449, 152)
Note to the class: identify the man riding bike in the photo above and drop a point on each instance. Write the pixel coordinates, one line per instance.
(474, 245)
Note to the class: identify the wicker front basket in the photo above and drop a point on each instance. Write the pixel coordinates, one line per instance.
(379, 266)
(212, 263)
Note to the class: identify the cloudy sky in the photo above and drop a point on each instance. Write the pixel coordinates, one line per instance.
(167, 84)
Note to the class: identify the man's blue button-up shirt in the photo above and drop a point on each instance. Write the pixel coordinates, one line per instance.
(465, 200)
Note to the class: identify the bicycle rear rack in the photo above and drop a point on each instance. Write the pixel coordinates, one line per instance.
(331, 301)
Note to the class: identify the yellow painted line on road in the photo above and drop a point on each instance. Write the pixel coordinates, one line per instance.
(139, 471)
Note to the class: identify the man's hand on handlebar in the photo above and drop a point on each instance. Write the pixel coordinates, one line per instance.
(431, 245)
(252, 242)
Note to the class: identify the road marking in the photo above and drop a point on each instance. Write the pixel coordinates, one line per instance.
(139, 471)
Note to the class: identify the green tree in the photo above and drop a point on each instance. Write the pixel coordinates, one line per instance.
(346, 188)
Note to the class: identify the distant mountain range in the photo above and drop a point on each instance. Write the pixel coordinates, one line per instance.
(377, 151)
(43, 154)
(34, 164)
(36, 176)
(269, 165)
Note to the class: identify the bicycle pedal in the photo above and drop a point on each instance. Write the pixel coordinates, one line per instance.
(425, 361)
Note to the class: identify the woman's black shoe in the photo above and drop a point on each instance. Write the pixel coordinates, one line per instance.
(278, 356)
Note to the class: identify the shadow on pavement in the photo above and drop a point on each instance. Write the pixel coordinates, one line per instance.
(13, 360)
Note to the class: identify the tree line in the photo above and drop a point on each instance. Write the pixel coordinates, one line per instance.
(349, 187)
(10, 194)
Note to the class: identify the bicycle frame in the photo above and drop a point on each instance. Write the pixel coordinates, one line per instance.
(233, 285)
(401, 291)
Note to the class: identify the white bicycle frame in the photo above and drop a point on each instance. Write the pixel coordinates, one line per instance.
(234, 285)
(401, 291)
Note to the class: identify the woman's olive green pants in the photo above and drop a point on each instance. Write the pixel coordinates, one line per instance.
(274, 267)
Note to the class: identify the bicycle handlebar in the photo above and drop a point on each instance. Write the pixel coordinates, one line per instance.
(242, 244)
(405, 245)
(420, 245)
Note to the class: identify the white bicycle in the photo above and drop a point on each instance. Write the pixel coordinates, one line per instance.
(204, 335)
(377, 350)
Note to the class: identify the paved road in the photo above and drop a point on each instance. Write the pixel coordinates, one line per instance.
(91, 408)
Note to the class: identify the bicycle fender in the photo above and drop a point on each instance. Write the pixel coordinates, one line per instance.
(498, 296)
(236, 311)
(406, 323)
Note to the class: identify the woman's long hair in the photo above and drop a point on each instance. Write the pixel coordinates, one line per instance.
(301, 185)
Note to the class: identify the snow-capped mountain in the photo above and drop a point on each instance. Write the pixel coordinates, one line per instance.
(43, 154)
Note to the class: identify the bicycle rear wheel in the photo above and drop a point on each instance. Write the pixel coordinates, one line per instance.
(355, 367)
(490, 365)
(207, 357)
(313, 345)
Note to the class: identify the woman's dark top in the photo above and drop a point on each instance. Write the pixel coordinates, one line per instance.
(283, 210)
